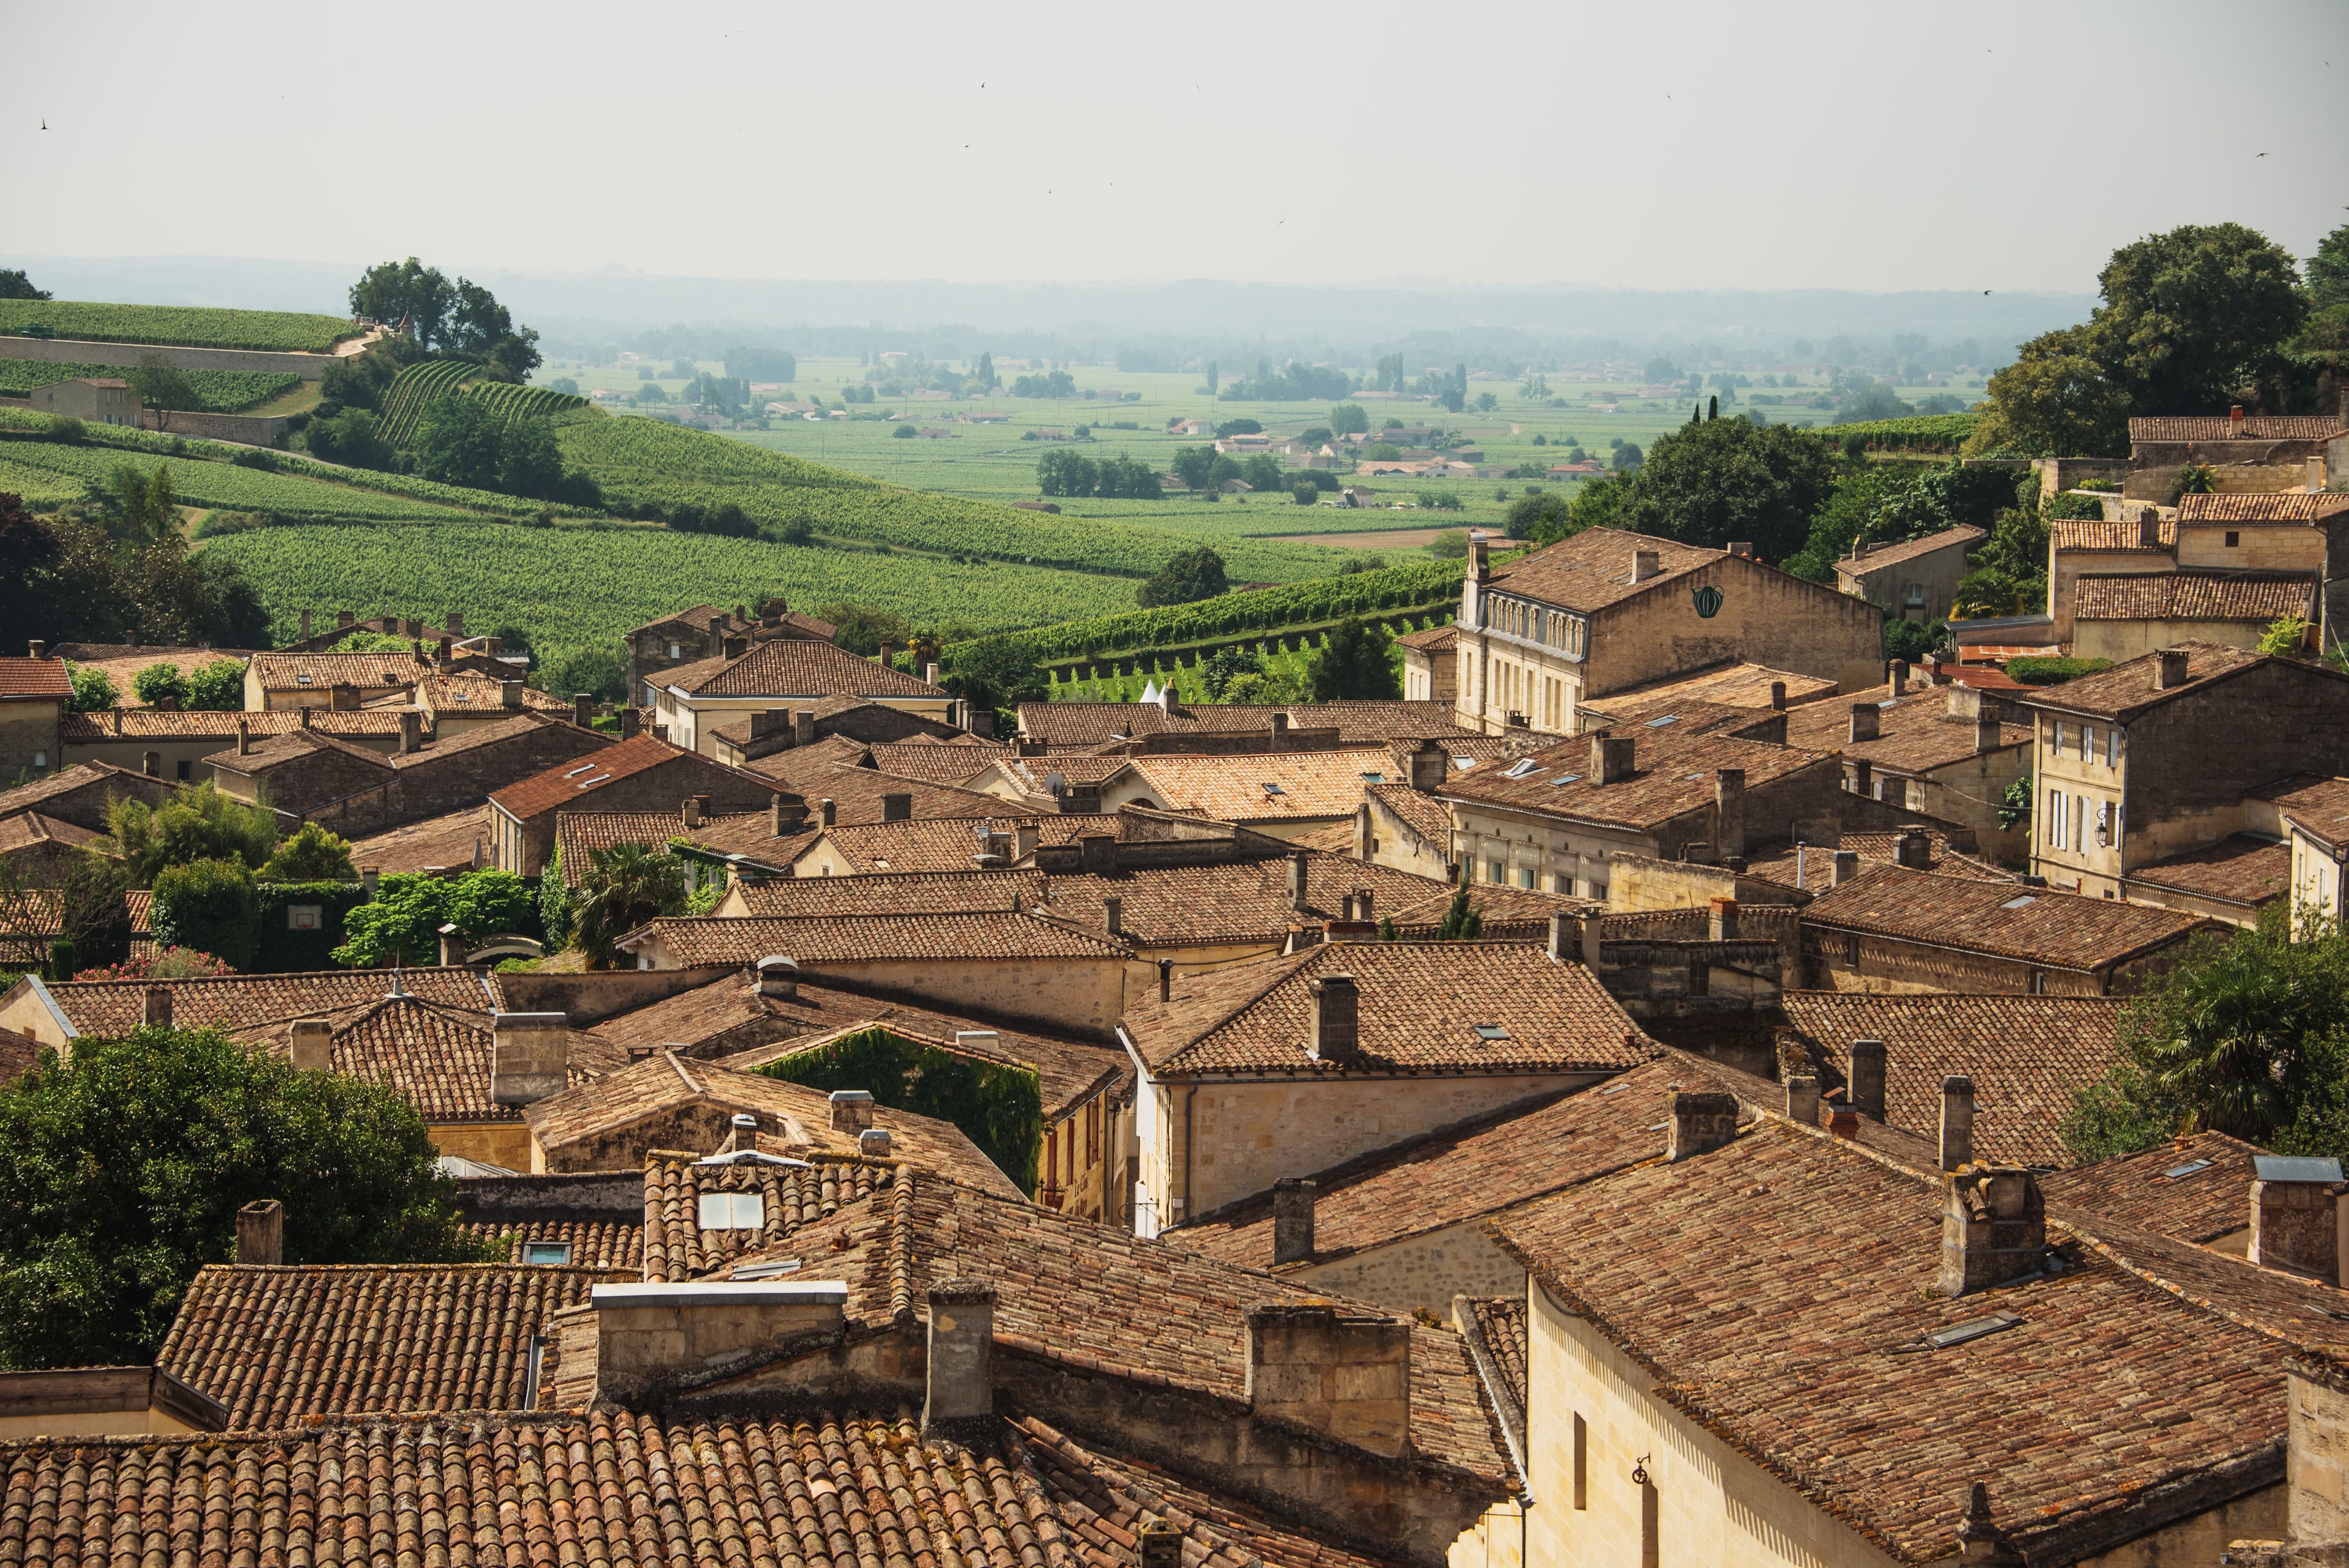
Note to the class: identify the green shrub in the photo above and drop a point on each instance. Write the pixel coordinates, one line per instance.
(312, 855)
(2105, 486)
(2069, 504)
(999, 1107)
(2051, 671)
(286, 938)
(210, 906)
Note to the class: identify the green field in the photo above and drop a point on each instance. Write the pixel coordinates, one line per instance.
(219, 391)
(38, 488)
(196, 482)
(285, 331)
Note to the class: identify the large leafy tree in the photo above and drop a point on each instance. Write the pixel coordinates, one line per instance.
(122, 1168)
(15, 284)
(403, 921)
(2054, 401)
(457, 317)
(1718, 480)
(197, 822)
(2328, 270)
(1188, 576)
(2189, 315)
(458, 443)
(1356, 663)
(623, 888)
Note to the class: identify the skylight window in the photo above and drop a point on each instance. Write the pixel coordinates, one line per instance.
(766, 1271)
(1691, 778)
(1972, 1329)
(2021, 901)
(1272, 788)
(582, 768)
(1521, 767)
(1491, 1032)
(734, 1211)
(2179, 1172)
(1464, 763)
(555, 1252)
(1615, 1089)
(1667, 719)
(302, 681)
(1564, 779)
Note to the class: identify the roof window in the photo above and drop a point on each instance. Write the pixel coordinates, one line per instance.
(1667, 719)
(1564, 779)
(302, 679)
(734, 1211)
(2021, 901)
(766, 1271)
(582, 768)
(1972, 1329)
(1521, 767)
(557, 1253)
(2179, 1172)
(1491, 1032)
(1614, 1089)
(1272, 788)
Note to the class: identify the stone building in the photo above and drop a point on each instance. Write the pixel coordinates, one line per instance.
(644, 773)
(2246, 453)
(174, 744)
(1285, 795)
(98, 399)
(2314, 814)
(34, 693)
(2127, 616)
(694, 702)
(1604, 611)
(1946, 752)
(342, 681)
(1429, 664)
(690, 636)
(1916, 580)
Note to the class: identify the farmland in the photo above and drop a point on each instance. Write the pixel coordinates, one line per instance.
(218, 391)
(417, 386)
(284, 331)
(222, 484)
(39, 487)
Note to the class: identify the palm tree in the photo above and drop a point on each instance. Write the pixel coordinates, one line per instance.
(623, 887)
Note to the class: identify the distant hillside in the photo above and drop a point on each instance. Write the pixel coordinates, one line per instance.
(187, 326)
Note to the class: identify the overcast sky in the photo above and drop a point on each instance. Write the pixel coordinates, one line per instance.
(1688, 144)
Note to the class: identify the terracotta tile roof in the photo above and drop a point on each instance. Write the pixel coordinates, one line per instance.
(1074, 725)
(1459, 1174)
(1916, 733)
(2318, 806)
(2096, 534)
(1422, 1005)
(1500, 1325)
(277, 1344)
(2260, 596)
(1434, 639)
(323, 671)
(2059, 931)
(1424, 814)
(828, 1486)
(1031, 774)
(2238, 869)
(801, 1193)
(1279, 786)
(857, 792)
(33, 680)
(241, 1002)
(438, 843)
(1672, 774)
(1910, 550)
(2128, 688)
(893, 893)
(1812, 869)
(17, 1054)
(2220, 427)
(2290, 506)
(567, 783)
(602, 1243)
(699, 617)
(579, 833)
(935, 936)
(945, 843)
(1739, 686)
(1593, 569)
(2027, 1055)
(65, 782)
(1237, 900)
(793, 1119)
(793, 667)
(463, 694)
(2104, 1392)
(2209, 1198)
(30, 829)
(294, 746)
(189, 724)
(936, 762)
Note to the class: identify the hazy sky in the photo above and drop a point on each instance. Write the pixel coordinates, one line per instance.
(1685, 144)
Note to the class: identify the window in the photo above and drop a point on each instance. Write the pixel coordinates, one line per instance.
(1491, 1032)
(186, 771)
(2054, 835)
(305, 916)
(557, 1253)
(675, 651)
(1525, 877)
(2088, 743)
(1581, 1461)
(1496, 872)
(734, 1211)
(1560, 882)
(2113, 749)
(2233, 538)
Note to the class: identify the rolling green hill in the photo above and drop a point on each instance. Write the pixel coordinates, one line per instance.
(189, 326)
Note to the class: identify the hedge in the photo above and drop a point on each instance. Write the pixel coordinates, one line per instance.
(278, 948)
(998, 1107)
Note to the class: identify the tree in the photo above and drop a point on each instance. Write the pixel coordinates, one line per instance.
(1486, 402)
(209, 905)
(405, 917)
(903, 432)
(1538, 516)
(460, 317)
(623, 888)
(162, 385)
(2053, 401)
(2327, 272)
(598, 671)
(863, 628)
(312, 855)
(2189, 315)
(762, 365)
(2286, 636)
(140, 506)
(1195, 465)
(1715, 480)
(1348, 418)
(1241, 426)
(1188, 576)
(1462, 922)
(1064, 473)
(15, 284)
(458, 443)
(350, 437)
(1356, 663)
(1262, 470)
(1226, 665)
(160, 685)
(197, 822)
(529, 463)
(122, 1168)
(1873, 401)
(93, 689)
(1627, 457)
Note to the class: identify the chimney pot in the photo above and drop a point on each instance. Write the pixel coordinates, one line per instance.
(1847, 867)
(778, 977)
(852, 1109)
(1864, 717)
(1335, 1005)
(313, 1041)
(2168, 668)
(261, 1232)
(1292, 1219)
(1957, 1121)
(1867, 1094)
(961, 1354)
(897, 807)
(530, 1056)
(159, 1007)
(1700, 1122)
(245, 738)
(1803, 1099)
(1993, 1228)
(1166, 980)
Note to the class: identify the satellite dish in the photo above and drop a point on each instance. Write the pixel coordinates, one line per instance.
(1055, 783)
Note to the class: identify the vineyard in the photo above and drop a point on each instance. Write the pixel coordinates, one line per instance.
(37, 487)
(188, 326)
(196, 482)
(574, 588)
(510, 401)
(415, 387)
(1923, 432)
(649, 468)
(1072, 647)
(218, 391)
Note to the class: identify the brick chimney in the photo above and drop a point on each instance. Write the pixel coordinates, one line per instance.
(1430, 762)
(510, 694)
(2295, 1224)
(2168, 668)
(960, 1356)
(261, 1232)
(778, 977)
(1611, 759)
(1292, 1219)
(1700, 1122)
(897, 807)
(1993, 1228)
(1864, 721)
(1334, 1009)
(530, 1056)
(1803, 1100)
(2235, 423)
(1914, 848)
(1867, 1094)
(1957, 1121)
(852, 1110)
(1646, 564)
(803, 727)
(1720, 921)
(1343, 1375)
(159, 1007)
(313, 1040)
(1300, 873)
(1729, 810)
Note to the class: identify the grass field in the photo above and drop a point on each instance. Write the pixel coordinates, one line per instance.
(284, 331)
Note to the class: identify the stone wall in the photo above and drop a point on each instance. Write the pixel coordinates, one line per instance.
(32, 739)
(1071, 995)
(589, 998)
(249, 429)
(1766, 617)
(434, 781)
(663, 787)
(1421, 1272)
(76, 351)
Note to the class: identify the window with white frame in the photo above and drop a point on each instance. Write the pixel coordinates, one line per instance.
(2053, 833)
(2058, 751)
(732, 1211)
(2088, 743)
(2113, 749)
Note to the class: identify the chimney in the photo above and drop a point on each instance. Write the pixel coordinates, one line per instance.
(984, 1040)
(1279, 730)
(960, 1355)
(1721, 923)
(452, 946)
(1430, 762)
(305, 625)
(1299, 880)
(888, 652)
(1846, 867)
(1346, 1376)
(1611, 761)
(510, 693)
(38, 648)
(690, 812)
(411, 733)
(1025, 837)
(313, 1044)
(1363, 836)
(1292, 1219)
(631, 725)
(1362, 906)
(852, 1110)
(1867, 1091)
(159, 1007)
(1777, 696)
(1479, 567)
(1864, 718)
(1333, 1006)
(1741, 547)
(455, 621)
(742, 1136)
(1159, 1546)
(1993, 1228)
(1843, 1121)
(897, 807)
(448, 651)
(492, 646)
(1729, 810)
(2235, 423)
(2148, 529)
(245, 738)
(652, 1338)
(2293, 1223)
(1565, 936)
(367, 877)
(1803, 1100)
(1896, 677)
(261, 1232)
(778, 977)
(873, 1143)
(344, 620)
(1166, 980)
(583, 709)
(530, 1056)
(2168, 668)
(1957, 1121)
(1988, 736)
(1981, 1543)
(826, 813)
(1914, 849)
(930, 673)
(1646, 564)
(343, 698)
(803, 727)
(1113, 914)
(1097, 853)
(1700, 1122)
(785, 813)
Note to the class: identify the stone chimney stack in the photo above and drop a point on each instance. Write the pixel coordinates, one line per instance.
(1113, 914)
(1430, 762)
(454, 623)
(852, 1110)
(1867, 1094)
(2235, 423)
(2296, 1216)
(689, 811)
(1646, 564)
(1480, 568)
(1777, 696)
(313, 1044)
(1896, 677)
(1847, 867)
(2148, 529)
(1346, 1376)
(344, 620)
(583, 709)
(1025, 837)
(159, 1007)
(2168, 668)
(631, 724)
(1803, 1100)
(510, 694)
(1957, 1121)
(1159, 1546)
(1729, 811)
(1334, 1006)
(803, 727)
(897, 807)
(1700, 1122)
(778, 977)
(1914, 848)
(888, 654)
(960, 1355)
(1720, 921)
(305, 625)
(873, 1143)
(1993, 1228)
(1292, 1219)
(261, 1232)
(452, 946)
(1988, 736)
(1611, 761)
(1299, 880)
(1097, 853)
(245, 737)
(411, 733)
(1864, 721)
(1363, 836)
(530, 1056)
(826, 813)
(742, 1134)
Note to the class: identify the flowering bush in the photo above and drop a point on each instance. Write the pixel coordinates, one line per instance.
(164, 964)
